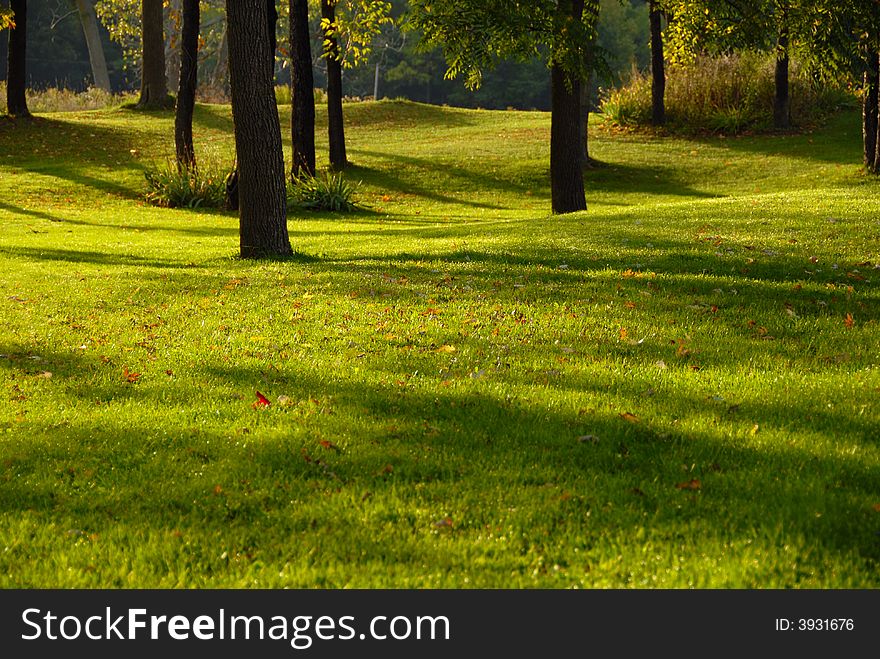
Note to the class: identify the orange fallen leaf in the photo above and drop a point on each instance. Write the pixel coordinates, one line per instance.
(693, 484)
(129, 376)
(629, 416)
(849, 321)
(877, 507)
(327, 444)
(623, 333)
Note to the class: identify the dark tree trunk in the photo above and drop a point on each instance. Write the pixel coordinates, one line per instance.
(272, 18)
(336, 125)
(658, 68)
(584, 124)
(16, 69)
(870, 111)
(782, 101)
(186, 89)
(302, 83)
(261, 188)
(154, 86)
(566, 175)
(566, 151)
(220, 76)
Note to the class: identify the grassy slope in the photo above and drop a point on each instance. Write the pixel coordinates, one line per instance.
(433, 363)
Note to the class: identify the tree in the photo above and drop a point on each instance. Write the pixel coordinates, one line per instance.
(261, 183)
(474, 34)
(89, 21)
(186, 92)
(154, 86)
(335, 121)
(302, 83)
(16, 66)
(658, 66)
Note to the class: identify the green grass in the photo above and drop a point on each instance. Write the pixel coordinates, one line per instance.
(436, 363)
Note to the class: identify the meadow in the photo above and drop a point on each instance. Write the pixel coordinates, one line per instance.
(677, 388)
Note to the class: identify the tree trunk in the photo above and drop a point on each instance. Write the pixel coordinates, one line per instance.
(172, 46)
(16, 67)
(261, 177)
(870, 111)
(89, 22)
(302, 84)
(782, 101)
(186, 89)
(336, 125)
(584, 123)
(272, 20)
(219, 78)
(154, 87)
(658, 68)
(566, 151)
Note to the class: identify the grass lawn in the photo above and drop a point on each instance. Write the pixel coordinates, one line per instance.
(677, 388)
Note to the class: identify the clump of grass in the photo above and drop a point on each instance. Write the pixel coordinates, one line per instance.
(195, 187)
(283, 95)
(729, 94)
(54, 99)
(328, 191)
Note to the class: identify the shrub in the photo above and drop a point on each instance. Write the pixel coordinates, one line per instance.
(197, 187)
(728, 94)
(283, 96)
(54, 99)
(326, 192)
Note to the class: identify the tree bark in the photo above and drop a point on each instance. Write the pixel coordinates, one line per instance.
(186, 89)
(16, 67)
(658, 67)
(336, 124)
(261, 177)
(302, 87)
(219, 78)
(154, 86)
(584, 123)
(566, 151)
(782, 100)
(870, 111)
(89, 22)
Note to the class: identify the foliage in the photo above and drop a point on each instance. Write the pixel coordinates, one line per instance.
(356, 25)
(171, 186)
(6, 18)
(283, 96)
(328, 191)
(462, 394)
(724, 94)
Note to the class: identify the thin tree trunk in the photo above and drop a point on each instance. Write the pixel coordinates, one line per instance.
(16, 63)
(782, 101)
(336, 124)
(221, 70)
(658, 67)
(186, 89)
(172, 46)
(584, 123)
(154, 87)
(89, 22)
(261, 176)
(302, 85)
(870, 111)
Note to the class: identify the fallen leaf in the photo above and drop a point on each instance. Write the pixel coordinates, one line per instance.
(283, 401)
(446, 522)
(623, 334)
(261, 401)
(327, 444)
(756, 429)
(877, 507)
(446, 349)
(849, 321)
(693, 484)
(45, 375)
(588, 439)
(128, 376)
(629, 416)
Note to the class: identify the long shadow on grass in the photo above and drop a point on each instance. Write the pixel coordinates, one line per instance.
(484, 460)
(91, 258)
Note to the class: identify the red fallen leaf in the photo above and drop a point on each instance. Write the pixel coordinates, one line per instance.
(327, 444)
(169, 372)
(849, 321)
(218, 490)
(129, 376)
(629, 305)
(629, 416)
(261, 401)
(694, 484)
